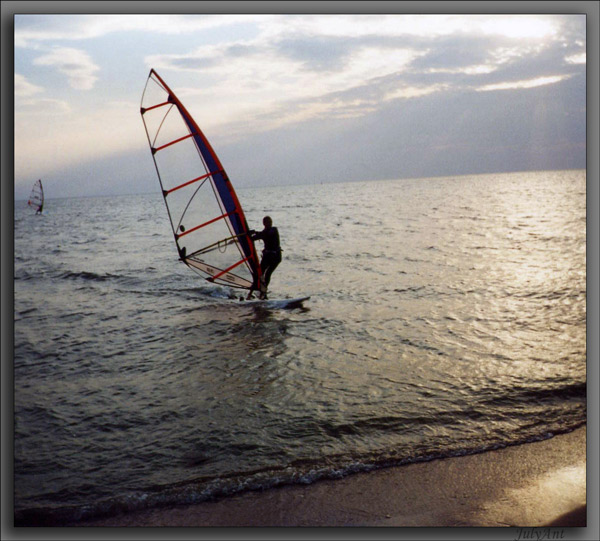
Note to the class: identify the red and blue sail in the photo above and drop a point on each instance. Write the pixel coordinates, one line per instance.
(209, 226)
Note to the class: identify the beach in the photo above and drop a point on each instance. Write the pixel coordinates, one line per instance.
(538, 484)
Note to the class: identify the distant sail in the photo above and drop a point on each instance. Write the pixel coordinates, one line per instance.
(208, 223)
(36, 198)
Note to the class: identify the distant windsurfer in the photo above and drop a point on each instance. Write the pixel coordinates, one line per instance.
(271, 256)
(40, 209)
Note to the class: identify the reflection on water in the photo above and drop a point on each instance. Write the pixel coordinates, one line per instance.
(446, 316)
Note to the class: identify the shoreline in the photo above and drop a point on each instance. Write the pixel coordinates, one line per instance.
(539, 484)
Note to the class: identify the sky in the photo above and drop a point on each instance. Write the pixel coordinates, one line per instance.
(291, 99)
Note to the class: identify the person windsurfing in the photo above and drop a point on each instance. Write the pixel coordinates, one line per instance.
(271, 255)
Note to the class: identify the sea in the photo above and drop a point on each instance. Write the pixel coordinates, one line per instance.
(447, 317)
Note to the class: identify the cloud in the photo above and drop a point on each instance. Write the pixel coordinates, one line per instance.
(518, 26)
(530, 83)
(249, 79)
(317, 53)
(295, 68)
(74, 63)
(455, 52)
(579, 58)
(27, 103)
(23, 88)
(315, 85)
(33, 30)
(435, 135)
(421, 25)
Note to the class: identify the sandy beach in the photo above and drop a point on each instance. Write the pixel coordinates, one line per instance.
(532, 485)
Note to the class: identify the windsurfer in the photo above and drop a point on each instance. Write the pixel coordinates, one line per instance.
(36, 198)
(271, 255)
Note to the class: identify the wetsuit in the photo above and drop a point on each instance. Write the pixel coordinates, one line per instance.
(271, 256)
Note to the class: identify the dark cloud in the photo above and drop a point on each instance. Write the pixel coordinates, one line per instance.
(239, 50)
(455, 52)
(442, 134)
(332, 53)
(318, 52)
(202, 62)
(193, 62)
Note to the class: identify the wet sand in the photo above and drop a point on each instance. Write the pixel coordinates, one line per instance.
(531, 485)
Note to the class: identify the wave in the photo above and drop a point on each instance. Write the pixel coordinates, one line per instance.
(298, 472)
(23, 274)
(86, 275)
(577, 391)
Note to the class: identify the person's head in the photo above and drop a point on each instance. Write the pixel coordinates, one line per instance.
(267, 222)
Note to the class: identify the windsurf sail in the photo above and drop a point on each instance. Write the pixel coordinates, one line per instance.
(36, 198)
(208, 223)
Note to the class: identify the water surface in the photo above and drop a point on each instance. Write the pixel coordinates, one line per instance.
(447, 316)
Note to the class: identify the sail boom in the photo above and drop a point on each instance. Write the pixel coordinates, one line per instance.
(155, 150)
(216, 276)
(189, 182)
(188, 231)
(144, 110)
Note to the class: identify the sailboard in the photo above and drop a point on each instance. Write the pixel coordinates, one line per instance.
(277, 303)
(36, 198)
(208, 223)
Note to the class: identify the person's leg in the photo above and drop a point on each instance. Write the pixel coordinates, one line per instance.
(271, 264)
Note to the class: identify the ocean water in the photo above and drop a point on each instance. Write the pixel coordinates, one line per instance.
(447, 316)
